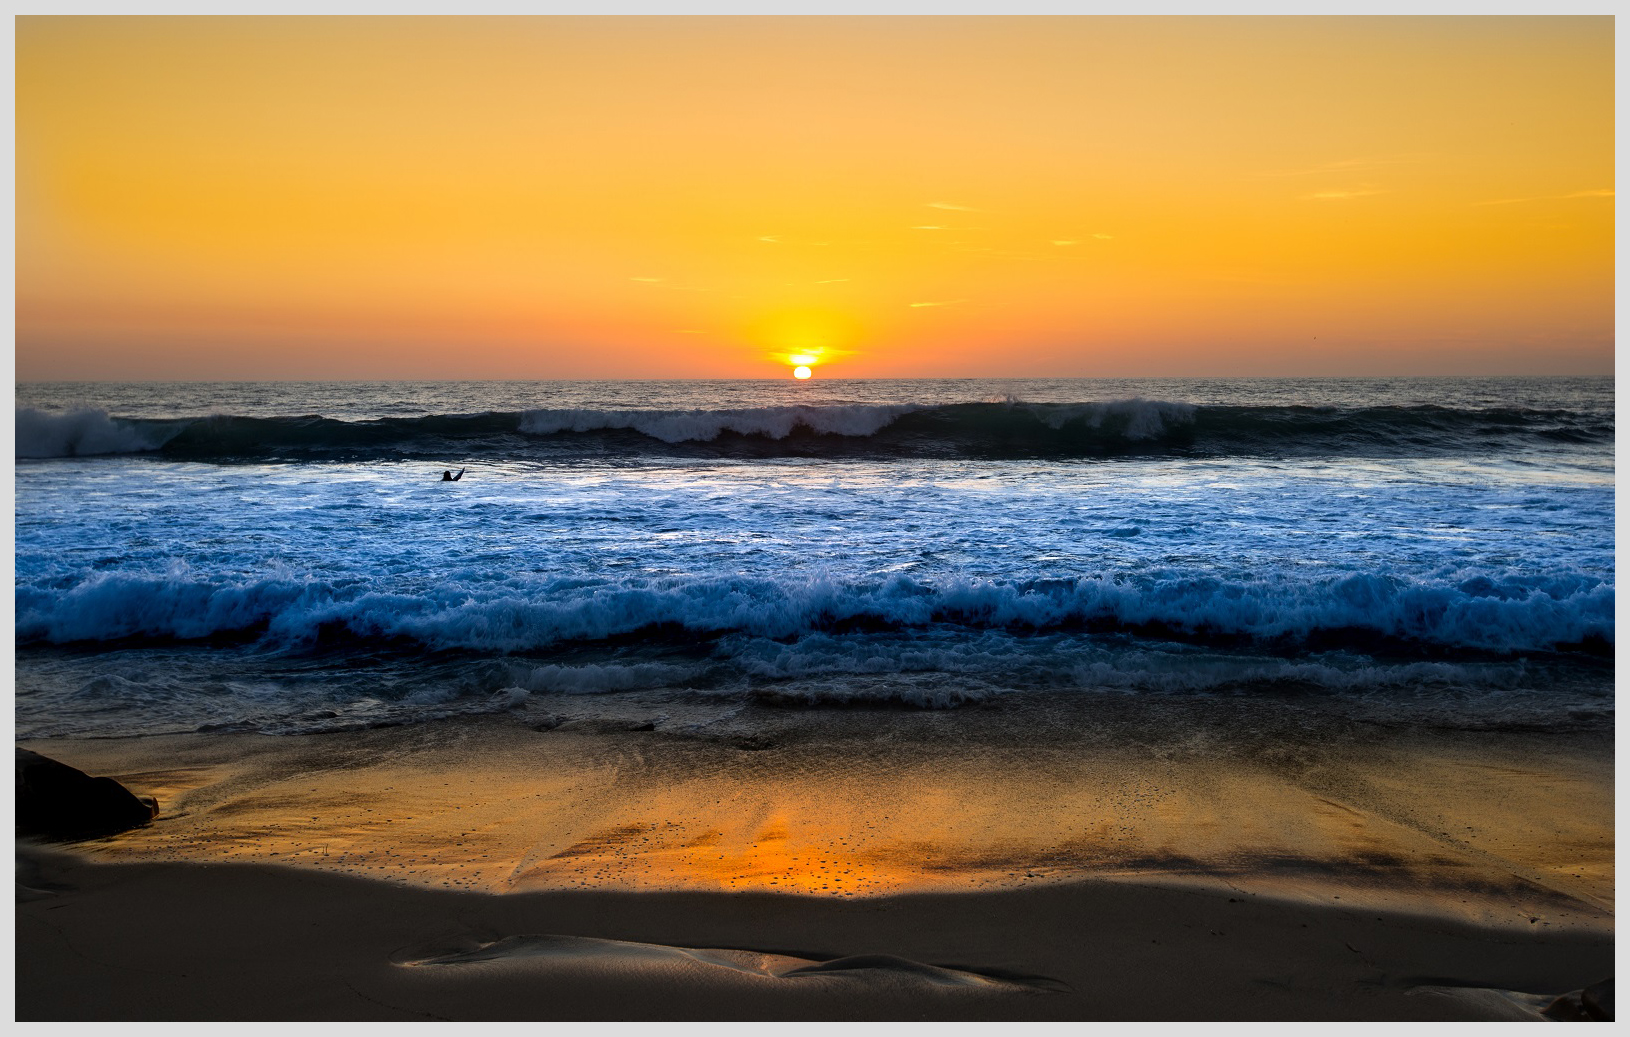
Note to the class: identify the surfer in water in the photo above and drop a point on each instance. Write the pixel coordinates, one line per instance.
(448, 475)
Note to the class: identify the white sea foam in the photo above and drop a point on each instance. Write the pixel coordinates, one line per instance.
(85, 432)
(107, 606)
(1144, 419)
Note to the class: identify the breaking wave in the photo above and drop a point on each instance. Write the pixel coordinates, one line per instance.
(989, 429)
(86, 432)
(1502, 614)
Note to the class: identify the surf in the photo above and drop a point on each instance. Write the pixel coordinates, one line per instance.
(1508, 613)
(1007, 429)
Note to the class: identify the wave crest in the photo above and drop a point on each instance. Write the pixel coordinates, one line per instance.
(1505, 613)
(998, 429)
(85, 432)
(690, 426)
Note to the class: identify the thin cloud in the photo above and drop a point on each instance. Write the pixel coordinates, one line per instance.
(1104, 237)
(770, 238)
(1342, 194)
(947, 302)
(953, 208)
(1600, 192)
(1067, 242)
(823, 353)
(830, 280)
(662, 282)
(929, 227)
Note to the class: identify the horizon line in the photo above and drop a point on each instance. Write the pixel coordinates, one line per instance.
(784, 378)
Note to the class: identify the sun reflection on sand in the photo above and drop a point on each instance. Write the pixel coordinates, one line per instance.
(776, 856)
(595, 813)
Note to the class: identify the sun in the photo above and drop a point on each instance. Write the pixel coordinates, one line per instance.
(804, 340)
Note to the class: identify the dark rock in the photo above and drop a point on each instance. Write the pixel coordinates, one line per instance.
(1597, 1000)
(1567, 1008)
(1592, 1004)
(57, 801)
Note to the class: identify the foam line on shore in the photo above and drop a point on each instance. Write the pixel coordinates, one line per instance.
(622, 956)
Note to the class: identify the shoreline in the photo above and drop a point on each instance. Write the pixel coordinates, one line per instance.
(1244, 858)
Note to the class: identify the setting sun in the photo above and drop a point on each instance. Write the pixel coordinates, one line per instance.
(801, 372)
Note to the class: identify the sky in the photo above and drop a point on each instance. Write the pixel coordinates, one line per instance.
(718, 197)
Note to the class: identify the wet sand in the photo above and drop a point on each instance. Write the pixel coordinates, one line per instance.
(1085, 859)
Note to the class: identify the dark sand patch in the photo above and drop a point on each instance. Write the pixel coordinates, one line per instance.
(188, 941)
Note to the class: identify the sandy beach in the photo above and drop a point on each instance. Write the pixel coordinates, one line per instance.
(1086, 858)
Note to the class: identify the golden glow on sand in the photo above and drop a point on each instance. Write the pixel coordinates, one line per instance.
(570, 812)
(291, 197)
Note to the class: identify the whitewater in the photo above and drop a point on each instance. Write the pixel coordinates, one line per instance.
(285, 557)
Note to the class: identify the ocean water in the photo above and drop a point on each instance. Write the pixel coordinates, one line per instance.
(285, 557)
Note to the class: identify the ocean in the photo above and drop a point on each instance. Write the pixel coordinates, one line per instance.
(287, 557)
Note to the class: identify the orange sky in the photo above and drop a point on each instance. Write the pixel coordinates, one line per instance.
(565, 197)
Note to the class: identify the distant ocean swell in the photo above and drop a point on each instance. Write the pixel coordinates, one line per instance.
(992, 429)
(1478, 613)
